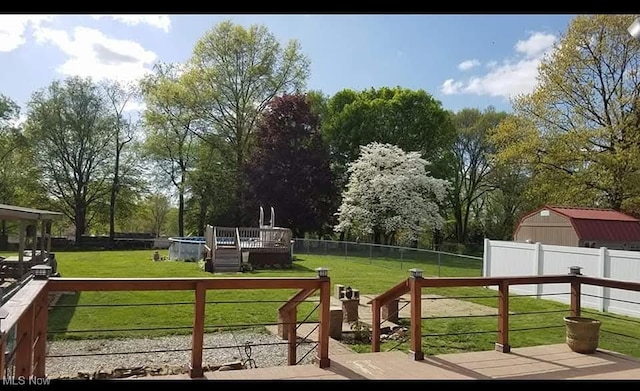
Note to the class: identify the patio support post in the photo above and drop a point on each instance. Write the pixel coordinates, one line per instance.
(575, 296)
(375, 326)
(325, 318)
(503, 318)
(416, 314)
(290, 320)
(198, 332)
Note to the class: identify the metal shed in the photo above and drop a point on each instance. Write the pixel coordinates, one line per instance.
(580, 227)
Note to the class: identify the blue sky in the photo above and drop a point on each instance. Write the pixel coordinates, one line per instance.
(462, 60)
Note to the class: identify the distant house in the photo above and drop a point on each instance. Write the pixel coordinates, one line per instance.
(580, 227)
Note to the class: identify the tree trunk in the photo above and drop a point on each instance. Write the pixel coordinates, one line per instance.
(181, 206)
(457, 212)
(201, 216)
(239, 190)
(80, 221)
(115, 187)
(377, 237)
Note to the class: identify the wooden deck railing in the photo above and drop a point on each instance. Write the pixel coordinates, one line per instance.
(27, 315)
(414, 284)
(29, 307)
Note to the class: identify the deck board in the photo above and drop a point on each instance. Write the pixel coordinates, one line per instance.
(548, 362)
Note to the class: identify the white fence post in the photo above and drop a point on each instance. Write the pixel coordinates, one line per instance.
(538, 266)
(486, 259)
(603, 274)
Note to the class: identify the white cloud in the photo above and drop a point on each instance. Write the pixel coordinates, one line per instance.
(468, 64)
(93, 54)
(162, 22)
(512, 76)
(451, 87)
(536, 45)
(13, 29)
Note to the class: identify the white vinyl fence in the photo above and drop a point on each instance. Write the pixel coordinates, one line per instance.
(523, 259)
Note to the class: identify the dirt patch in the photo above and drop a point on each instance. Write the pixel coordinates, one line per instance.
(435, 306)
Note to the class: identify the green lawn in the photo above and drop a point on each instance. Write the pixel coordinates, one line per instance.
(253, 308)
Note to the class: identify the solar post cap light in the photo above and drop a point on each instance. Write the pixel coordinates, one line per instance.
(634, 29)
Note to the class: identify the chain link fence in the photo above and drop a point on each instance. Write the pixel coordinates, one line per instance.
(433, 263)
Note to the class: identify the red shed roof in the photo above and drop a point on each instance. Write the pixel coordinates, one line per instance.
(600, 224)
(592, 214)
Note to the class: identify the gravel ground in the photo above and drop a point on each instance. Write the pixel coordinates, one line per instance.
(267, 350)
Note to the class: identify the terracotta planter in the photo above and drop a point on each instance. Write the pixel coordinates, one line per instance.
(582, 334)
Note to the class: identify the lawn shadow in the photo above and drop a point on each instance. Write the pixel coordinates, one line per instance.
(299, 268)
(61, 313)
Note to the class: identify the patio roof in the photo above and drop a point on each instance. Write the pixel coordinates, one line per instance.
(11, 212)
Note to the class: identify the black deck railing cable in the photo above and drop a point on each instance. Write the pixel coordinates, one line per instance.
(459, 316)
(620, 334)
(536, 328)
(394, 312)
(170, 328)
(247, 343)
(304, 321)
(515, 296)
(306, 317)
(307, 353)
(461, 333)
(608, 315)
(171, 303)
(611, 299)
(537, 312)
(305, 338)
(402, 341)
(461, 297)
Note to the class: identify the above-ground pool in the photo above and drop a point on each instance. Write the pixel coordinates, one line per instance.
(187, 249)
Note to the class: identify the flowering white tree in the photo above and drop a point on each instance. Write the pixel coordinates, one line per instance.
(390, 193)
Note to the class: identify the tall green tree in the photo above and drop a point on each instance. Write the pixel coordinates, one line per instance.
(577, 132)
(118, 96)
(233, 74)
(9, 148)
(210, 183)
(19, 177)
(158, 207)
(289, 168)
(472, 163)
(169, 125)
(411, 119)
(70, 127)
(509, 199)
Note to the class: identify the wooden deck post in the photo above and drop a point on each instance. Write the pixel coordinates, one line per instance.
(416, 314)
(290, 320)
(198, 331)
(40, 346)
(375, 326)
(21, 229)
(325, 319)
(503, 318)
(34, 242)
(24, 344)
(3, 348)
(576, 287)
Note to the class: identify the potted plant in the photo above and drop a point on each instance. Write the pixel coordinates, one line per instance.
(582, 334)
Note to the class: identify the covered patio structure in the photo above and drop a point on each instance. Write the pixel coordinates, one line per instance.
(33, 224)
